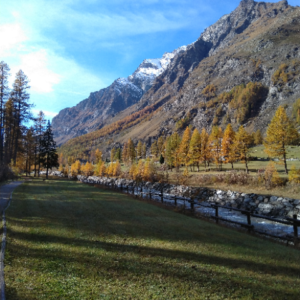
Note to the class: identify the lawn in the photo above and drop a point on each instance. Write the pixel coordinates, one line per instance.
(67, 240)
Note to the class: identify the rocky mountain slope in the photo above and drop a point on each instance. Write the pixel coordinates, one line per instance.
(239, 71)
(96, 111)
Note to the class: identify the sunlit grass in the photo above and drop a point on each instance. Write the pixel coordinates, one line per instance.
(67, 240)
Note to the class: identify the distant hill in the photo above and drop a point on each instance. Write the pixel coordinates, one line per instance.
(239, 71)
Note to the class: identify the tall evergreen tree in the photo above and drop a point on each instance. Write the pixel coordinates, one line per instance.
(49, 157)
(20, 98)
(4, 94)
(39, 128)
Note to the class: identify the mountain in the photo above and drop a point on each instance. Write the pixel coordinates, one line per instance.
(239, 71)
(95, 111)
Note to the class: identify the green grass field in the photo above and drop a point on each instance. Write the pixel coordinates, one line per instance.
(68, 240)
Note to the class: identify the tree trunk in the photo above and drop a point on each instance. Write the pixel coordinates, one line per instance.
(284, 160)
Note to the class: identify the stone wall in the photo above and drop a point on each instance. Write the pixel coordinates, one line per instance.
(261, 204)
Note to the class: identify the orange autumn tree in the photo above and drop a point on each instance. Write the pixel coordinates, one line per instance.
(280, 133)
(227, 145)
(184, 147)
(205, 156)
(216, 143)
(194, 153)
(242, 145)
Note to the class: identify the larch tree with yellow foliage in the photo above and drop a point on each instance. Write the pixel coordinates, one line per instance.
(184, 147)
(205, 148)
(88, 169)
(194, 153)
(227, 145)
(216, 142)
(117, 169)
(98, 156)
(280, 133)
(242, 145)
(139, 150)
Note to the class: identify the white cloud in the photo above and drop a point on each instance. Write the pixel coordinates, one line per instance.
(11, 36)
(36, 65)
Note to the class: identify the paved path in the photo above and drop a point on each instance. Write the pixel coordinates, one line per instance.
(5, 192)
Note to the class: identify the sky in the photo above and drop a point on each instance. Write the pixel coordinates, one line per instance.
(70, 48)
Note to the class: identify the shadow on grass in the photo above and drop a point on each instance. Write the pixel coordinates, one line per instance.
(199, 274)
(231, 263)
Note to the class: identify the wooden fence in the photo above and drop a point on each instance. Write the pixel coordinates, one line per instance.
(138, 191)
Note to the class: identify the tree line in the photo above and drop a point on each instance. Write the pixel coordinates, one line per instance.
(23, 148)
(193, 149)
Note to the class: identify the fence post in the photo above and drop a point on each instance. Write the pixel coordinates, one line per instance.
(121, 187)
(295, 230)
(217, 213)
(192, 204)
(175, 199)
(249, 220)
(150, 196)
(162, 196)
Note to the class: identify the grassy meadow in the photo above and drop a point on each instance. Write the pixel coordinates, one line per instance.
(67, 240)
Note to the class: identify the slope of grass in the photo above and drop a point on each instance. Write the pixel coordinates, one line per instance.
(67, 240)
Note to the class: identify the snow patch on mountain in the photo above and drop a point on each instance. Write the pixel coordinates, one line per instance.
(149, 69)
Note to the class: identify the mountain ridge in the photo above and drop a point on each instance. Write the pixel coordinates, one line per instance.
(242, 49)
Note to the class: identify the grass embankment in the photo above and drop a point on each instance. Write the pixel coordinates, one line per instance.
(68, 240)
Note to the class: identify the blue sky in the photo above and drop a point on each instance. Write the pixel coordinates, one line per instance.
(69, 48)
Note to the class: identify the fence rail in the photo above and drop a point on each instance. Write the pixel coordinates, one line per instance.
(251, 228)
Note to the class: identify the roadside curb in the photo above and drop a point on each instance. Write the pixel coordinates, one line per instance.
(2, 254)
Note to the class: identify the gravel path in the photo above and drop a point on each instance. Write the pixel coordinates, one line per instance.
(5, 192)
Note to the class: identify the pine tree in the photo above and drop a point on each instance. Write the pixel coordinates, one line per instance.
(49, 157)
(280, 133)
(39, 128)
(194, 153)
(241, 146)
(4, 94)
(161, 159)
(29, 150)
(216, 142)
(184, 147)
(206, 148)
(227, 145)
(20, 98)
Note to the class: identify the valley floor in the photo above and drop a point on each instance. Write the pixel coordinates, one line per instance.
(67, 240)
